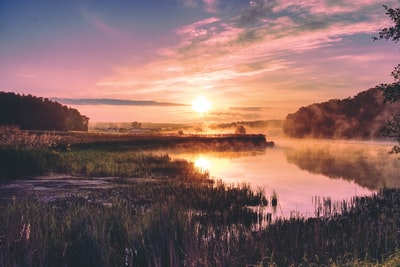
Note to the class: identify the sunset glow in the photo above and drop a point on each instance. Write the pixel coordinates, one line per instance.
(201, 104)
(257, 59)
(202, 164)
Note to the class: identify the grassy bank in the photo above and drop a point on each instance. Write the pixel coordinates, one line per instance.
(23, 163)
(26, 154)
(165, 223)
(170, 223)
(180, 219)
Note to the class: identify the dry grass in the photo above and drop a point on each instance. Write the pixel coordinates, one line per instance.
(13, 137)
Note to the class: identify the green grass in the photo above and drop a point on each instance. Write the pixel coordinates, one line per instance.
(23, 163)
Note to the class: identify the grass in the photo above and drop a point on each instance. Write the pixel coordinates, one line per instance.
(176, 223)
(22, 163)
(179, 219)
(146, 224)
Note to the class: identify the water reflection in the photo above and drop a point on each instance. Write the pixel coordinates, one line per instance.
(366, 163)
(298, 171)
(202, 164)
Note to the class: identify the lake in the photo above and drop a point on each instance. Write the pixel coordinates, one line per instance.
(304, 173)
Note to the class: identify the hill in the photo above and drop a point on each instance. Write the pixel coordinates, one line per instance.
(361, 116)
(36, 113)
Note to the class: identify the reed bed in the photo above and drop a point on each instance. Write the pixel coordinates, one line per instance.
(180, 219)
(23, 163)
(146, 224)
(176, 223)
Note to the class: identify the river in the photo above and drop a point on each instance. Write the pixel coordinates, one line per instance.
(303, 173)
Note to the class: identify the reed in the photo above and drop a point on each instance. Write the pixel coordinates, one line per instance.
(145, 224)
(180, 219)
(179, 223)
(23, 163)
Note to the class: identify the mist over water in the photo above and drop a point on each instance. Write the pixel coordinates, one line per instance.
(301, 170)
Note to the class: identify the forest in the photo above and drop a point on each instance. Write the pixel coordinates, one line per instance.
(362, 116)
(37, 113)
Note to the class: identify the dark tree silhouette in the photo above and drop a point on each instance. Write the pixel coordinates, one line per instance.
(36, 113)
(359, 117)
(391, 91)
(240, 129)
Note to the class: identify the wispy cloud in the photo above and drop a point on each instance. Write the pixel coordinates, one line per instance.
(99, 23)
(209, 6)
(112, 102)
(249, 108)
(264, 48)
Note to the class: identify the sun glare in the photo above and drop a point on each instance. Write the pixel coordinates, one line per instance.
(202, 164)
(201, 104)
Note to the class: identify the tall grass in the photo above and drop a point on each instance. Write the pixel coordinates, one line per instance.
(147, 224)
(11, 136)
(187, 221)
(167, 223)
(23, 163)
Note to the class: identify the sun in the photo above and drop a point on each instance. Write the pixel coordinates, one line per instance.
(201, 104)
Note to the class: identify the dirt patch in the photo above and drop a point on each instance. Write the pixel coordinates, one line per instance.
(60, 186)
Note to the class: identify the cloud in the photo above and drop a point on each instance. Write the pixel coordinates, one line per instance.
(257, 10)
(197, 29)
(264, 50)
(99, 23)
(189, 3)
(112, 102)
(249, 108)
(210, 6)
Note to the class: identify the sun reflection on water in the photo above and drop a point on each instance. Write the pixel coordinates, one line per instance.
(202, 164)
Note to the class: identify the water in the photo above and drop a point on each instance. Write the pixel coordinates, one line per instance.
(299, 171)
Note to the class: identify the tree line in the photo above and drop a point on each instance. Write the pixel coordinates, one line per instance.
(358, 117)
(362, 116)
(37, 113)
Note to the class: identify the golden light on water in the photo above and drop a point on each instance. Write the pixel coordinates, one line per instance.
(201, 104)
(202, 164)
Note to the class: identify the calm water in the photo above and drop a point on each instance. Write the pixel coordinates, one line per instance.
(299, 170)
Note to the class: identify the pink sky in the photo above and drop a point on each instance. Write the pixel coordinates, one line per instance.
(251, 59)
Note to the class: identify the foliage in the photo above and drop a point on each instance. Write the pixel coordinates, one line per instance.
(393, 32)
(34, 113)
(392, 91)
(392, 129)
(240, 129)
(359, 117)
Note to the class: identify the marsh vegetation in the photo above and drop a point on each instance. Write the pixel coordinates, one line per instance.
(177, 216)
(170, 223)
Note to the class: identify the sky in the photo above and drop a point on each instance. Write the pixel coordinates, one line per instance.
(148, 60)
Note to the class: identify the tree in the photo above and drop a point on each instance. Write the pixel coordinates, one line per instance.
(36, 113)
(240, 129)
(391, 91)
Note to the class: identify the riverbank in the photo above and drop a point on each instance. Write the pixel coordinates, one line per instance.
(118, 204)
(180, 223)
(218, 142)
